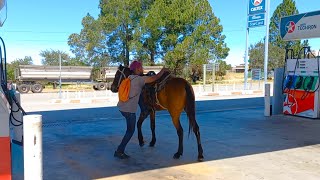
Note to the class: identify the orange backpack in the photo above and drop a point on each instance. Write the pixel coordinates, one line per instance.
(124, 90)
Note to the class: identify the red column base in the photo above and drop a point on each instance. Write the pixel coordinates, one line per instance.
(5, 158)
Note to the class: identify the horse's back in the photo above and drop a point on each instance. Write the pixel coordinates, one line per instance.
(174, 93)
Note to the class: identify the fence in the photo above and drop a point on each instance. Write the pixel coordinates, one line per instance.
(198, 89)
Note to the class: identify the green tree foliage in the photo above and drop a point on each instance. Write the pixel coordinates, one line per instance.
(223, 67)
(286, 8)
(120, 19)
(89, 45)
(51, 58)
(179, 32)
(193, 34)
(11, 67)
(149, 33)
(276, 56)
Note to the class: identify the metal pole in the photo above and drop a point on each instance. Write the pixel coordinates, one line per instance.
(267, 100)
(32, 142)
(266, 43)
(204, 77)
(246, 61)
(246, 56)
(60, 76)
(213, 75)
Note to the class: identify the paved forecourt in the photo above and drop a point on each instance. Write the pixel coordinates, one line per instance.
(238, 141)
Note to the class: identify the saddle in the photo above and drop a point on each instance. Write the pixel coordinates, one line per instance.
(150, 91)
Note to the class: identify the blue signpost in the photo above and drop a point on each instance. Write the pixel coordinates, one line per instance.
(256, 20)
(258, 14)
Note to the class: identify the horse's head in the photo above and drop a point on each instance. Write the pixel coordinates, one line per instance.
(122, 73)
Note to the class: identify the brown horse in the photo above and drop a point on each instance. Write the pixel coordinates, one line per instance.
(175, 96)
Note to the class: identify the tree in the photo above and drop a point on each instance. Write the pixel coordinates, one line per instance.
(223, 67)
(179, 32)
(148, 35)
(89, 45)
(191, 34)
(286, 8)
(11, 67)
(120, 19)
(51, 58)
(275, 59)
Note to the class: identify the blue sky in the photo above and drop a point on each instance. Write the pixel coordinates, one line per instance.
(36, 25)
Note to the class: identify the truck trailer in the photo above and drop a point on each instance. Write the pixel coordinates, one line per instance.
(34, 77)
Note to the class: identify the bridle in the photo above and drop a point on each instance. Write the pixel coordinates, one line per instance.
(122, 74)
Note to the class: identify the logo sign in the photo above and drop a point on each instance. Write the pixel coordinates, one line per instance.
(290, 27)
(256, 6)
(256, 17)
(256, 23)
(301, 26)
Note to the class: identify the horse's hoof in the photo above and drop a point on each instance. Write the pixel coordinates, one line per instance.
(200, 158)
(177, 155)
(141, 144)
(152, 144)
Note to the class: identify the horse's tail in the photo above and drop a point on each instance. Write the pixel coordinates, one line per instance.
(190, 106)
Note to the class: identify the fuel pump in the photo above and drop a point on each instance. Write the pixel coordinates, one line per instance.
(301, 84)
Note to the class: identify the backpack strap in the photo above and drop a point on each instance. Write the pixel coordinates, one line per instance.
(130, 87)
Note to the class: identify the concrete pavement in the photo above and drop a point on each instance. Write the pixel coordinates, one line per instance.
(238, 141)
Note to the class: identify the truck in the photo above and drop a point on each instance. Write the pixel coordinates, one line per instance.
(104, 76)
(34, 77)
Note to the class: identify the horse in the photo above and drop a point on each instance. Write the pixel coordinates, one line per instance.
(175, 96)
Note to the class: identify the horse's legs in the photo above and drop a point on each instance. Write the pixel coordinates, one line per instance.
(142, 117)
(153, 127)
(197, 133)
(176, 122)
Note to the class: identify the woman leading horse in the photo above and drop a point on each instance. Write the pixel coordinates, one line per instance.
(176, 96)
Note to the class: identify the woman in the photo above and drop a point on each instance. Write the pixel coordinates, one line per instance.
(128, 109)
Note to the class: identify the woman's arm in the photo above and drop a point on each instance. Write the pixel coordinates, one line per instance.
(151, 79)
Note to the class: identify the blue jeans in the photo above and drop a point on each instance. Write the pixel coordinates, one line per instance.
(131, 124)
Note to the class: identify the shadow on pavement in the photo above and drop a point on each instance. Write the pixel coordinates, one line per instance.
(79, 144)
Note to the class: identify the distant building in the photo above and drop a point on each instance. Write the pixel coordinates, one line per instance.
(238, 68)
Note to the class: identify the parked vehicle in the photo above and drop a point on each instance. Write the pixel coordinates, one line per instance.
(105, 76)
(34, 77)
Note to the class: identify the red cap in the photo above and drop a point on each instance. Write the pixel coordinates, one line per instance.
(134, 65)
